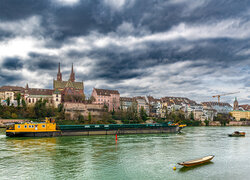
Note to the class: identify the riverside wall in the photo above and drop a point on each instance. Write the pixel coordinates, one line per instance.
(3, 122)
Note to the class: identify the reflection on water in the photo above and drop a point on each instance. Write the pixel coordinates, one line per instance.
(151, 156)
(185, 169)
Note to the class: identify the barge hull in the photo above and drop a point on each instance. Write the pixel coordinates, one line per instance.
(72, 132)
(33, 134)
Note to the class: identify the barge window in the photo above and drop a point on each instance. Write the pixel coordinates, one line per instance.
(29, 126)
(43, 126)
(25, 126)
(18, 126)
(32, 126)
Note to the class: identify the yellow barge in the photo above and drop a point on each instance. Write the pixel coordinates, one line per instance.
(43, 129)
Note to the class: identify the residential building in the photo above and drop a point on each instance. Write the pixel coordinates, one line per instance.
(10, 92)
(240, 115)
(126, 102)
(110, 98)
(141, 102)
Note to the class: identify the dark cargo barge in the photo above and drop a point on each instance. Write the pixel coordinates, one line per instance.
(111, 129)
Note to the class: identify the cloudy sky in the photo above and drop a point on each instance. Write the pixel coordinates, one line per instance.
(187, 48)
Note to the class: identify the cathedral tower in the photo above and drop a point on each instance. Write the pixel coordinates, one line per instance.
(72, 75)
(59, 74)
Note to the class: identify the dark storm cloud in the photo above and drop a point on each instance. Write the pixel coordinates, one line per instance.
(186, 53)
(42, 62)
(12, 63)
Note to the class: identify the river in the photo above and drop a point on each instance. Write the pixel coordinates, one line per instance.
(132, 157)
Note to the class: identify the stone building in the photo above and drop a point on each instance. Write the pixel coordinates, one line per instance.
(76, 109)
(10, 92)
(240, 115)
(236, 104)
(110, 98)
(32, 95)
(70, 90)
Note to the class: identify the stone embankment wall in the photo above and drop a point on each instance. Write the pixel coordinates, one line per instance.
(3, 122)
(231, 123)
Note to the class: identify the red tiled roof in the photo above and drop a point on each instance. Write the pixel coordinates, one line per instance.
(35, 91)
(126, 99)
(106, 92)
(246, 107)
(11, 88)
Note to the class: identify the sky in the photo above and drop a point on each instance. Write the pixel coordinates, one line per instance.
(185, 48)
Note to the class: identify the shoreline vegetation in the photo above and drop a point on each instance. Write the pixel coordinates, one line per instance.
(39, 111)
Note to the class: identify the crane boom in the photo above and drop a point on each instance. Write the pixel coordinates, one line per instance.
(219, 95)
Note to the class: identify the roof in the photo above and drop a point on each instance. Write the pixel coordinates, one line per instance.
(246, 107)
(105, 92)
(126, 99)
(11, 88)
(178, 100)
(215, 104)
(63, 84)
(35, 91)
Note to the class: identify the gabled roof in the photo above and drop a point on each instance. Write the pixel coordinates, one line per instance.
(11, 88)
(105, 92)
(246, 107)
(35, 91)
(62, 84)
(129, 99)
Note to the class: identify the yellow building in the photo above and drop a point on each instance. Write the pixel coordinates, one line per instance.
(240, 115)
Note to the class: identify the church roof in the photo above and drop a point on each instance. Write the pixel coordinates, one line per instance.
(63, 84)
(106, 92)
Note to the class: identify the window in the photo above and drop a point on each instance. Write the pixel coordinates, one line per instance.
(57, 95)
(43, 126)
(19, 126)
(30, 126)
(56, 99)
(25, 126)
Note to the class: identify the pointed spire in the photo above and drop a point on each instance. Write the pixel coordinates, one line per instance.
(59, 74)
(27, 86)
(72, 75)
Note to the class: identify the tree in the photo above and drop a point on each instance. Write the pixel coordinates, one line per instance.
(18, 98)
(8, 101)
(89, 117)
(24, 104)
(143, 114)
(191, 116)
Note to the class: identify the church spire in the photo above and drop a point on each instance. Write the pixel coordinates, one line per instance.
(59, 74)
(72, 75)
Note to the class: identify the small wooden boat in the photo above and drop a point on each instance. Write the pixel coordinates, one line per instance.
(197, 161)
(237, 134)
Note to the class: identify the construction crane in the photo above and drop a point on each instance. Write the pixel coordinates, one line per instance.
(219, 95)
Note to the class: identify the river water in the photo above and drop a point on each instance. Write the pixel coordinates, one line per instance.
(132, 157)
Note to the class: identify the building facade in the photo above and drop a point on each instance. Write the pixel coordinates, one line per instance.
(241, 115)
(110, 98)
(70, 90)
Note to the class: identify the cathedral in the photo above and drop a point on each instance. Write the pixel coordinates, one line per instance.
(70, 90)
